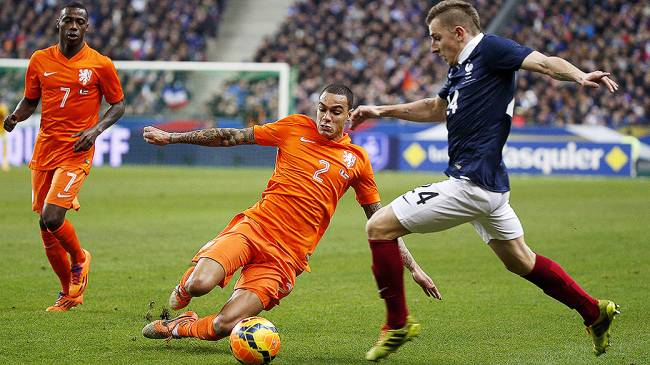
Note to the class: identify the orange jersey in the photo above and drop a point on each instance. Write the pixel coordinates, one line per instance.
(71, 92)
(311, 174)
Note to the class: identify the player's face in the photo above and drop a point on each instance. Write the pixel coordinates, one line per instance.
(446, 42)
(331, 115)
(72, 25)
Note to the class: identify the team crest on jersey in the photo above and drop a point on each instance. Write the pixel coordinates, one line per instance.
(349, 159)
(468, 68)
(84, 76)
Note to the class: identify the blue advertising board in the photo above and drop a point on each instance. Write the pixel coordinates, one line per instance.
(537, 158)
(377, 145)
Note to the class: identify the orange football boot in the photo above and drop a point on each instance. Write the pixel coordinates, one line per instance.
(164, 329)
(65, 302)
(79, 277)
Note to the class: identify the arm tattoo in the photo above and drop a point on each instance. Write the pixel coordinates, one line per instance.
(371, 209)
(216, 137)
(407, 258)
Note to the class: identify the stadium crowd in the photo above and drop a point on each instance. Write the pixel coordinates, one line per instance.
(371, 45)
(375, 47)
(612, 35)
(122, 30)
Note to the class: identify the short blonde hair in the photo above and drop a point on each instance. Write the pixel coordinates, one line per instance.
(456, 12)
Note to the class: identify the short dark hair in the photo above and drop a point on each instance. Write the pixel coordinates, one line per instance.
(75, 5)
(456, 12)
(340, 89)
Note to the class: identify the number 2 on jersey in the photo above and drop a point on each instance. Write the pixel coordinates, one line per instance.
(320, 171)
(453, 103)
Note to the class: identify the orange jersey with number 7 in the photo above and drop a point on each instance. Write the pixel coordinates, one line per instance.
(71, 92)
(311, 174)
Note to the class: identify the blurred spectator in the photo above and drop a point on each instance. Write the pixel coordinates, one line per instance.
(379, 48)
(254, 101)
(123, 30)
(612, 36)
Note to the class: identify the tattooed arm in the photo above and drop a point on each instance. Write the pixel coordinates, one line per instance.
(419, 276)
(213, 137)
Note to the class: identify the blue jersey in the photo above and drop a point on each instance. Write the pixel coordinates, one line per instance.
(480, 95)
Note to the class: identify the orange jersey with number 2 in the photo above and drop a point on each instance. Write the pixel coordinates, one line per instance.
(311, 174)
(71, 92)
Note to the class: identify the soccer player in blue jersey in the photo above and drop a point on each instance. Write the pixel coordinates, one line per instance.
(477, 103)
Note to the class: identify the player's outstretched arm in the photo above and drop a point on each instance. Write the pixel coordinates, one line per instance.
(561, 69)
(24, 110)
(212, 137)
(424, 110)
(419, 276)
(87, 137)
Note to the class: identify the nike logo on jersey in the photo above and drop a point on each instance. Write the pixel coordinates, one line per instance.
(303, 139)
(46, 74)
(62, 196)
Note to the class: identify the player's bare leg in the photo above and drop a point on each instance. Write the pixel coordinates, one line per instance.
(556, 283)
(53, 217)
(242, 304)
(197, 281)
(383, 229)
(384, 225)
(515, 255)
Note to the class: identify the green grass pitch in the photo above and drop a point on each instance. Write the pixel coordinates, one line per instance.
(143, 225)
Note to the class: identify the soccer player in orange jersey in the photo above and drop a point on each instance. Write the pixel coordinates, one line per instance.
(273, 240)
(70, 78)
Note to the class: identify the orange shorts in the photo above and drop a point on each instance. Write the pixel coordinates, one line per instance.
(59, 187)
(267, 269)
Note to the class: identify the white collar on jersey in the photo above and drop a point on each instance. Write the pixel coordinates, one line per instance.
(469, 47)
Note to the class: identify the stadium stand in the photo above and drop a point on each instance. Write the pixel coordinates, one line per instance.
(122, 30)
(611, 35)
(371, 45)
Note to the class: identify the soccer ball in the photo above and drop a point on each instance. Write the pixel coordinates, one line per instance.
(254, 340)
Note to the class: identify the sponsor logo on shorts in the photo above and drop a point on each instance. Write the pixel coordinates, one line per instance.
(62, 196)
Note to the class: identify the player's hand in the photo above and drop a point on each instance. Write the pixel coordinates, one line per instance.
(86, 139)
(363, 112)
(156, 136)
(10, 122)
(425, 282)
(592, 80)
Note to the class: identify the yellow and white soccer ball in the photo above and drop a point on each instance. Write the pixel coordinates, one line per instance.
(254, 340)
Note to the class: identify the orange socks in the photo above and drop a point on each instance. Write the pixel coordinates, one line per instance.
(68, 239)
(58, 258)
(202, 328)
(183, 281)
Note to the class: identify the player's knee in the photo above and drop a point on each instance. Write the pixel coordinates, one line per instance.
(42, 224)
(198, 286)
(374, 229)
(223, 325)
(518, 267)
(52, 219)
